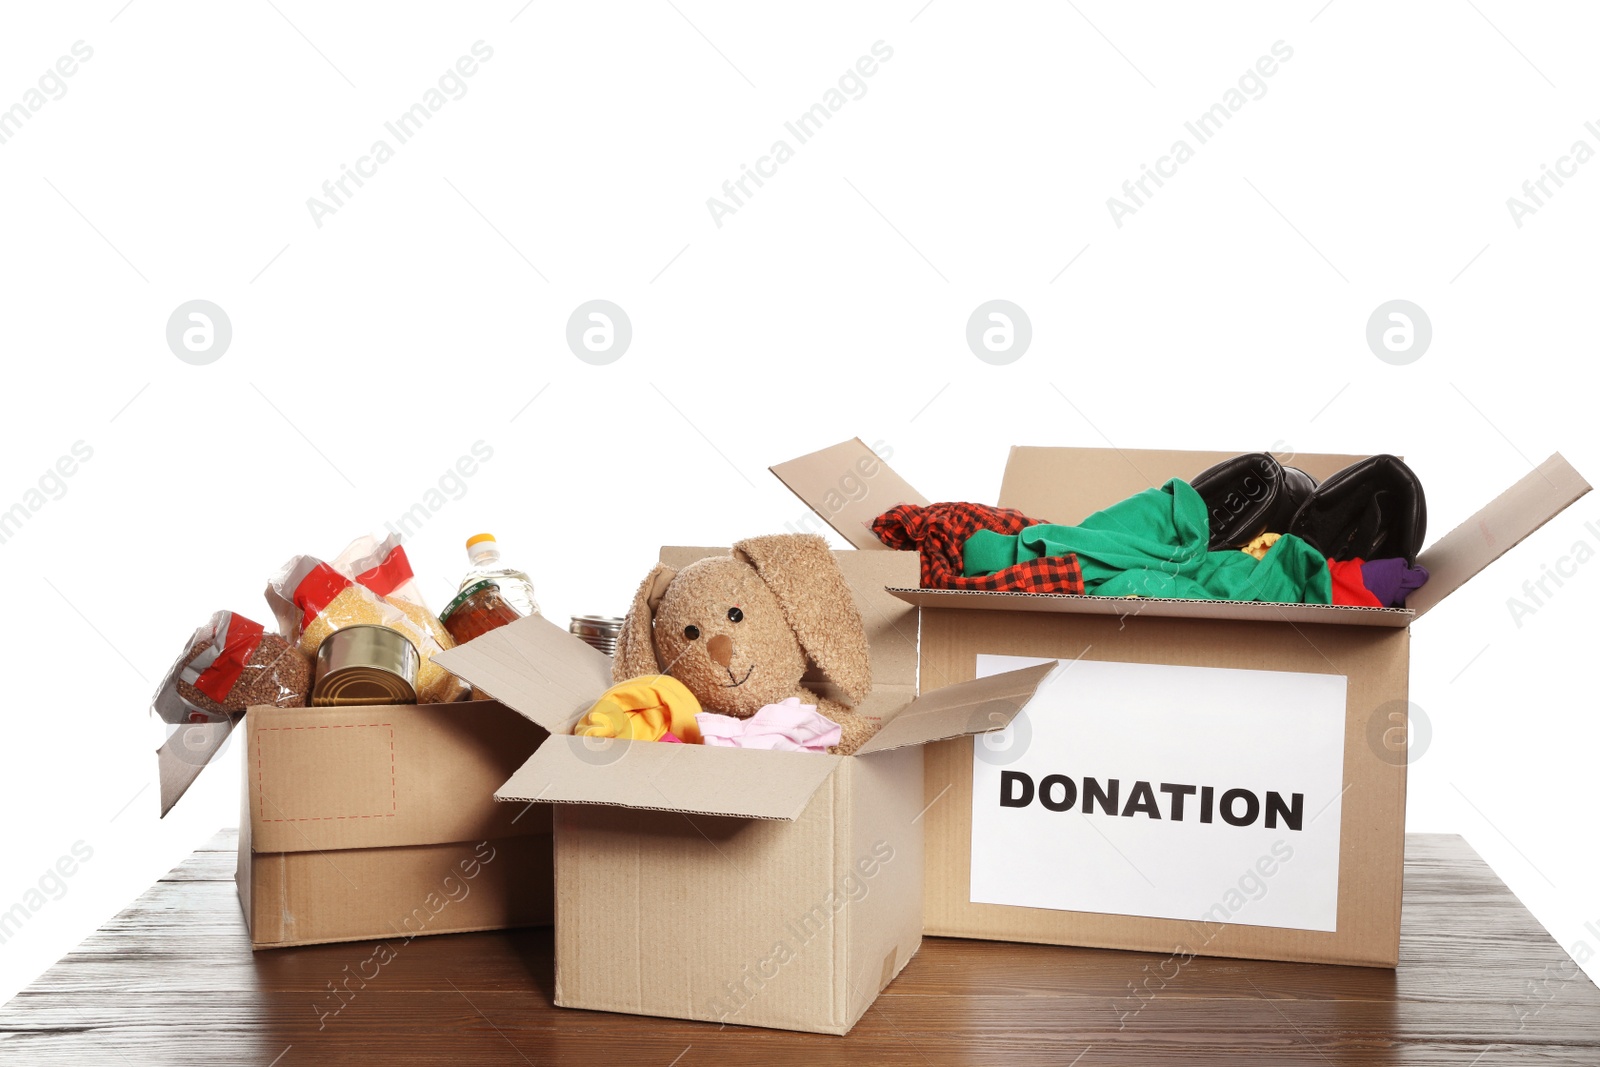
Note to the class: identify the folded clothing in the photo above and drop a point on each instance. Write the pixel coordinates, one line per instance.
(939, 533)
(1156, 544)
(787, 726)
(653, 708)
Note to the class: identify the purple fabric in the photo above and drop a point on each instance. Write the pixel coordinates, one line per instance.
(1391, 580)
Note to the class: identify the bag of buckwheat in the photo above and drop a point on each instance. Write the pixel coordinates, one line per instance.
(230, 664)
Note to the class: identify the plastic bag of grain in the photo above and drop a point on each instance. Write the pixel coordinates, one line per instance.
(229, 664)
(369, 583)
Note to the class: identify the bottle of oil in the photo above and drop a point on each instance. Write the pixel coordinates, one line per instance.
(515, 586)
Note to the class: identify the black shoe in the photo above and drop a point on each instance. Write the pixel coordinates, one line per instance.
(1374, 509)
(1250, 495)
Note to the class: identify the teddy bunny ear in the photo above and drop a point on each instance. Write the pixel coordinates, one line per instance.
(636, 646)
(815, 598)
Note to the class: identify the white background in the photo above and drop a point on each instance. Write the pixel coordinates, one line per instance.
(1228, 313)
(1207, 726)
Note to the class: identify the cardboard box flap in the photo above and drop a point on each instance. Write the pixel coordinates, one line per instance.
(185, 754)
(957, 710)
(848, 486)
(1456, 557)
(535, 667)
(694, 779)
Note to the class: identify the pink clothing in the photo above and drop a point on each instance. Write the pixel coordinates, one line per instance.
(789, 726)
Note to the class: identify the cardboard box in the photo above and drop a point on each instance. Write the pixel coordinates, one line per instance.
(776, 889)
(1175, 697)
(379, 822)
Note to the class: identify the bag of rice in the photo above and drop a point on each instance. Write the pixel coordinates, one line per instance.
(370, 582)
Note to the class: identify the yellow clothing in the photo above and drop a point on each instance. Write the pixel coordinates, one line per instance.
(1258, 547)
(643, 709)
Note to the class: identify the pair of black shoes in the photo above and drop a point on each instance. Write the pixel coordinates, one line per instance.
(1372, 509)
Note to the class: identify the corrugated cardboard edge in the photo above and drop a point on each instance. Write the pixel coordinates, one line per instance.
(1499, 526)
(848, 485)
(535, 668)
(1161, 607)
(241, 870)
(377, 936)
(650, 775)
(958, 710)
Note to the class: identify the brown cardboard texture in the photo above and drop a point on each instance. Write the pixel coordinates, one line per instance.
(1499, 526)
(761, 888)
(380, 822)
(1368, 647)
(849, 486)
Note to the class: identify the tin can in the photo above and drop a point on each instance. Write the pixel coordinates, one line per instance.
(363, 665)
(601, 631)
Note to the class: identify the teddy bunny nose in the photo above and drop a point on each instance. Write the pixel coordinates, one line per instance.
(720, 649)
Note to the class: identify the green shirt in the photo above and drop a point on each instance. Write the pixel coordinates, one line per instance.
(1154, 543)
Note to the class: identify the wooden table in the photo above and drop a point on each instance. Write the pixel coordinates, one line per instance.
(172, 981)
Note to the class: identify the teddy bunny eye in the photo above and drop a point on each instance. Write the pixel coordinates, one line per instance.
(735, 615)
(691, 632)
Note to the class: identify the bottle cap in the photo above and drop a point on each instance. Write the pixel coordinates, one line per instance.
(476, 539)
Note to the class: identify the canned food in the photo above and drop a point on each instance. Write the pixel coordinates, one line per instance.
(365, 664)
(601, 631)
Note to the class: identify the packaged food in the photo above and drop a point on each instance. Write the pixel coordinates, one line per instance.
(232, 663)
(476, 610)
(360, 666)
(600, 631)
(370, 583)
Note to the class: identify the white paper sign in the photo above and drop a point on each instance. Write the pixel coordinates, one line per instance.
(1174, 792)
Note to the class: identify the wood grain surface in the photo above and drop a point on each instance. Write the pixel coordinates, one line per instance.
(172, 980)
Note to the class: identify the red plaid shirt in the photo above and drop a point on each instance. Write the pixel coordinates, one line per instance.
(939, 531)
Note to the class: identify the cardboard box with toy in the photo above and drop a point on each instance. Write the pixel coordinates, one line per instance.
(736, 885)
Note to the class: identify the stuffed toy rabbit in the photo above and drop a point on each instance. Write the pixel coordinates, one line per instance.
(738, 630)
